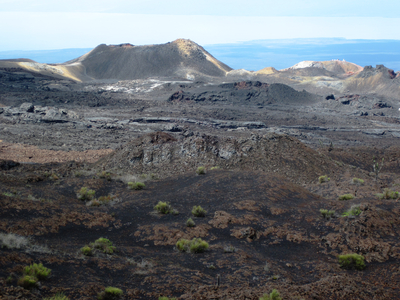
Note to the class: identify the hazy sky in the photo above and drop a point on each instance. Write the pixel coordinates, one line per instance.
(49, 24)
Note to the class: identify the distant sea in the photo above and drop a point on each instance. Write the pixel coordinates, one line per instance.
(258, 54)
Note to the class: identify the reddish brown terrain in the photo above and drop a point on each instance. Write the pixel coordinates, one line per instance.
(264, 145)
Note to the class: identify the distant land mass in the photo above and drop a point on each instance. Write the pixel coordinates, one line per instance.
(258, 54)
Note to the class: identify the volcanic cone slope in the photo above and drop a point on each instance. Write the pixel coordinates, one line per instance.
(180, 58)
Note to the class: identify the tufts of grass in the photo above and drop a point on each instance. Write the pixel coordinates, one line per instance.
(198, 211)
(229, 249)
(8, 194)
(104, 245)
(351, 261)
(38, 271)
(346, 197)
(327, 214)
(196, 245)
(85, 194)
(58, 296)
(163, 207)
(353, 211)
(201, 171)
(190, 223)
(388, 194)
(166, 298)
(87, 251)
(110, 293)
(104, 175)
(323, 178)
(274, 295)
(214, 168)
(357, 181)
(136, 185)
(28, 282)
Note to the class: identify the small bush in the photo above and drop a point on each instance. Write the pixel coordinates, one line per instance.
(13, 241)
(353, 211)
(27, 281)
(357, 181)
(58, 296)
(104, 175)
(38, 271)
(163, 207)
(198, 211)
(166, 298)
(190, 223)
(351, 261)
(110, 293)
(274, 295)
(103, 244)
(85, 194)
(214, 168)
(136, 185)
(327, 214)
(196, 245)
(346, 197)
(323, 178)
(87, 251)
(201, 171)
(229, 249)
(388, 194)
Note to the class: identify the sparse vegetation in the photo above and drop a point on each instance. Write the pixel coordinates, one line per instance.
(104, 245)
(190, 223)
(201, 171)
(351, 261)
(8, 194)
(198, 211)
(229, 249)
(104, 175)
(274, 295)
(166, 298)
(58, 296)
(377, 168)
(87, 251)
(214, 168)
(110, 293)
(346, 197)
(196, 245)
(327, 214)
(353, 211)
(323, 178)
(357, 181)
(136, 185)
(388, 194)
(13, 241)
(32, 274)
(163, 207)
(85, 194)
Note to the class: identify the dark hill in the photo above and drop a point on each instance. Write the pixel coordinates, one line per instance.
(182, 58)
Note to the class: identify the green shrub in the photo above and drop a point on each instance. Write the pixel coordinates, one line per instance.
(196, 245)
(27, 281)
(274, 295)
(201, 171)
(105, 175)
(190, 223)
(323, 178)
(85, 194)
(346, 197)
(353, 211)
(58, 296)
(110, 293)
(163, 207)
(357, 181)
(37, 270)
(166, 298)
(87, 251)
(136, 185)
(198, 211)
(327, 214)
(351, 261)
(214, 168)
(388, 194)
(104, 245)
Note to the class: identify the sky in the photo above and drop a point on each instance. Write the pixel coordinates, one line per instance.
(49, 24)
